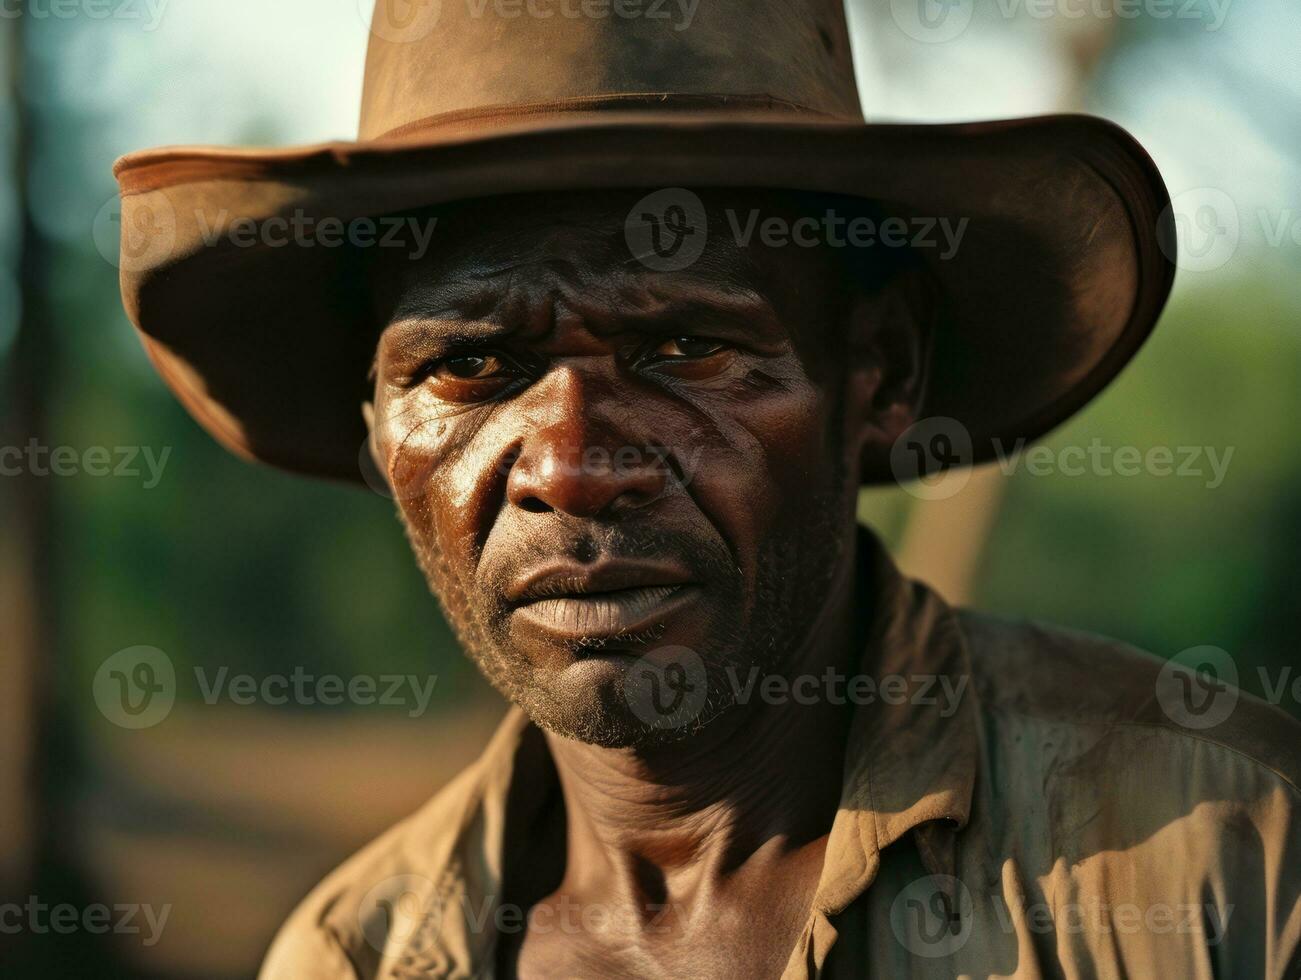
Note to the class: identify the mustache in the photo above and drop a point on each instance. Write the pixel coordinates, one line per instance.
(703, 555)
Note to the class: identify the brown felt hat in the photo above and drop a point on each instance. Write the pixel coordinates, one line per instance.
(266, 337)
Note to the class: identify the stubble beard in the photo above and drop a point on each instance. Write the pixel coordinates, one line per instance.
(796, 571)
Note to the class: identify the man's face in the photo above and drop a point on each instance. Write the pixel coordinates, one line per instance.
(595, 461)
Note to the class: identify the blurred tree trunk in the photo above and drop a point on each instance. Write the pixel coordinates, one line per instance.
(27, 635)
(40, 757)
(24, 556)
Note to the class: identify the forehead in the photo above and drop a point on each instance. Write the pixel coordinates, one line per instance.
(520, 255)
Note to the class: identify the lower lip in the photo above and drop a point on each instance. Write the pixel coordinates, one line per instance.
(606, 614)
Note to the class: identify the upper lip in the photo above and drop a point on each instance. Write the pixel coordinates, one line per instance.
(558, 579)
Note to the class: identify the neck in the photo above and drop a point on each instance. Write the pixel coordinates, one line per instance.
(760, 782)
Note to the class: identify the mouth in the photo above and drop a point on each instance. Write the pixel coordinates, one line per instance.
(600, 601)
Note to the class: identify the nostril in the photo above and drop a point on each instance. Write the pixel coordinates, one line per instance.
(533, 505)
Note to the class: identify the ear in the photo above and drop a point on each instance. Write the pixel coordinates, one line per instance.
(890, 334)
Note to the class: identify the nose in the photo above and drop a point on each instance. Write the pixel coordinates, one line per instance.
(577, 463)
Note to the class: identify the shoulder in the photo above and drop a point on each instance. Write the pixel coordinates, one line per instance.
(1123, 782)
(1039, 677)
(339, 931)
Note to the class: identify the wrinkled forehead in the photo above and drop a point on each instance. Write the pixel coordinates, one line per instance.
(595, 252)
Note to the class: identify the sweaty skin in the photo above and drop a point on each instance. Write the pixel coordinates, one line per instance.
(594, 461)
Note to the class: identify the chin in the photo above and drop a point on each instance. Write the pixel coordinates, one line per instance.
(627, 699)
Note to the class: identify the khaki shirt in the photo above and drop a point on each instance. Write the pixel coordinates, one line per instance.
(1037, 805)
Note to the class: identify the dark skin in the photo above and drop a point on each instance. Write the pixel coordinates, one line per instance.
(743, 393)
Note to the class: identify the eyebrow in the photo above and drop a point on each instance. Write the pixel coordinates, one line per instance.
(477, 310)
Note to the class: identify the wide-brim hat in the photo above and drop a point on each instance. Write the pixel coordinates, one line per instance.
(240, 267)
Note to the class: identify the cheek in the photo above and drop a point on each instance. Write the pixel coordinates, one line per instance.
(439, 475)
(760, 457)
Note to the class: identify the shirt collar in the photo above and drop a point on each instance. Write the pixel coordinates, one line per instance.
(914, 749)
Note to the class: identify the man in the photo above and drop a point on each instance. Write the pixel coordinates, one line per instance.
(625, 437)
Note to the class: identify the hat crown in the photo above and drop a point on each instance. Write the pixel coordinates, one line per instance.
(433, 58)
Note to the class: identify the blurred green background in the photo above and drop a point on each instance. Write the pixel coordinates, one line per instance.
(228, 814)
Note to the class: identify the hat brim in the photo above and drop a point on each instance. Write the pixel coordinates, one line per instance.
(1063, 268)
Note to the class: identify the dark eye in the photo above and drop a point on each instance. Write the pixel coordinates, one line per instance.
(469, 367)
(684, 347)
